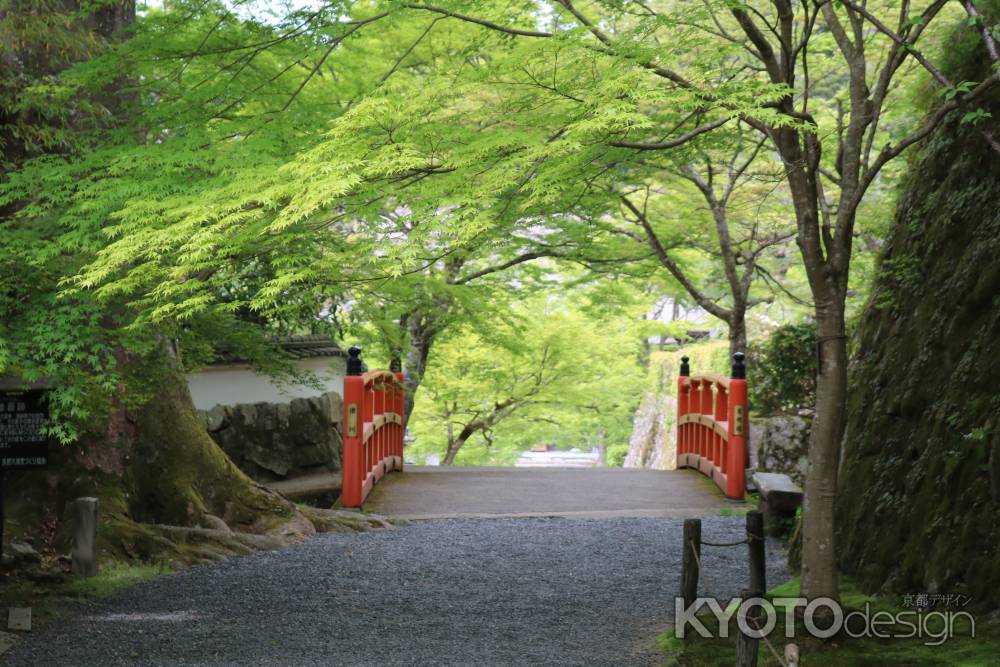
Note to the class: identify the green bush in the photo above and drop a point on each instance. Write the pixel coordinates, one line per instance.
(615, 455)
(782, 370)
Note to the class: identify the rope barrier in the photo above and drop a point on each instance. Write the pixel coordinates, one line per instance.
(697, 561)
(746, 540)
(767, 641)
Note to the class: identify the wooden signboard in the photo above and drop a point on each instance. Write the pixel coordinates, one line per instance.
(22, 416)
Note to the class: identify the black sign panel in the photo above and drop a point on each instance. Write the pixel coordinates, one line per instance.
(22, 416)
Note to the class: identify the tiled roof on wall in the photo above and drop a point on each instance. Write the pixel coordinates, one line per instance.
(305, 347)
(298, 347)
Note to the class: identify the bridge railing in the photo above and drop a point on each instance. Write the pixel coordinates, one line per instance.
(712, 424)
(373, 427)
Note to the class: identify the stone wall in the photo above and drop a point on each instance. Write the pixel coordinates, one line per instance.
(275, 441)
(918, 498)
(654, 440)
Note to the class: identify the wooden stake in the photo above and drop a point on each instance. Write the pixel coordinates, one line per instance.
(755, 542)
(690, 559)
(746, 647)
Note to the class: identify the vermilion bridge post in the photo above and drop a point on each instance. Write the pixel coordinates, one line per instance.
(373, 427)
(712, 414)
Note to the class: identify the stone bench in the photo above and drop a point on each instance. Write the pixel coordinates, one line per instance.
(780, 497)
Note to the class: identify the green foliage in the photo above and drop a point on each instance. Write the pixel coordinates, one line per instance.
(895, 274)
(975, 116)
(710, 356)
(223, 176)
(782, 370)
(550, 375)
(615, 455)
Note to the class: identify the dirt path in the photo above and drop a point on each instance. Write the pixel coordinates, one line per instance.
(575, 567)
(488, 592)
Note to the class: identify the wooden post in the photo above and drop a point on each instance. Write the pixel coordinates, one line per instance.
(350, 495)
(399, 397)
(746, 647)
(690, 559)
(683, 401)
(3, 516)
(755, 537)
(738, 421)
(85, 513)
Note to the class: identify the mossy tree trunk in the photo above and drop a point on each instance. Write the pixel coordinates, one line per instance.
(180, 474)
(160, 479)
(421, 330)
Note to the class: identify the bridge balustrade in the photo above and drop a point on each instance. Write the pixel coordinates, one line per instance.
(373, 427)
(712, 422)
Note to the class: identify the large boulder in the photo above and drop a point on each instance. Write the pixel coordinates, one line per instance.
(274, 441)
(780, 444)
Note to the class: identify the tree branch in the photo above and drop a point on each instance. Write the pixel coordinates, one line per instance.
(673, 143)
(654, 242)
(520, 259)
(991, 44)
(478, 21)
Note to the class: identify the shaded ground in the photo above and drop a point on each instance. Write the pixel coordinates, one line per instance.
(434, 492)
(449, 592)
(320, 489)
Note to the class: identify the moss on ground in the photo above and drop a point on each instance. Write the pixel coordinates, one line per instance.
(843, 651)
(113, 578)
(47, 591)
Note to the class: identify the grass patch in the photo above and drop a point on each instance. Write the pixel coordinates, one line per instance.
(113, 578)
(961, 650)
(751, 504)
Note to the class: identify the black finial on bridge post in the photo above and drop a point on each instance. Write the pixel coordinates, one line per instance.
(354, 364)
(739, 366)
(395, 365)
(685, 368)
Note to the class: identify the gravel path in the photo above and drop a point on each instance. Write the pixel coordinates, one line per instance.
(447, 592)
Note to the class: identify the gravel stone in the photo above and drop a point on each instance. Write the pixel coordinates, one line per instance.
(448, 592)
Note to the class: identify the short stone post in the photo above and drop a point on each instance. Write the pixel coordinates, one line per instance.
(85, 512)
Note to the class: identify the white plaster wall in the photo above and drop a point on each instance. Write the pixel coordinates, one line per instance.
(229, 385)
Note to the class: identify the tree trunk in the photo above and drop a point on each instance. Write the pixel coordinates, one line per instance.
(819, 564)
(828, 285)
(737, 330)
(453, 447)
(180, 474)
(420, 339)
(455, 444)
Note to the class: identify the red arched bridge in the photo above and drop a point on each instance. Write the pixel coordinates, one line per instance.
(711, 438)
(712, 425)
(373, 427)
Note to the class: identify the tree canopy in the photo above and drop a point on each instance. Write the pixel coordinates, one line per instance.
(221, 173)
